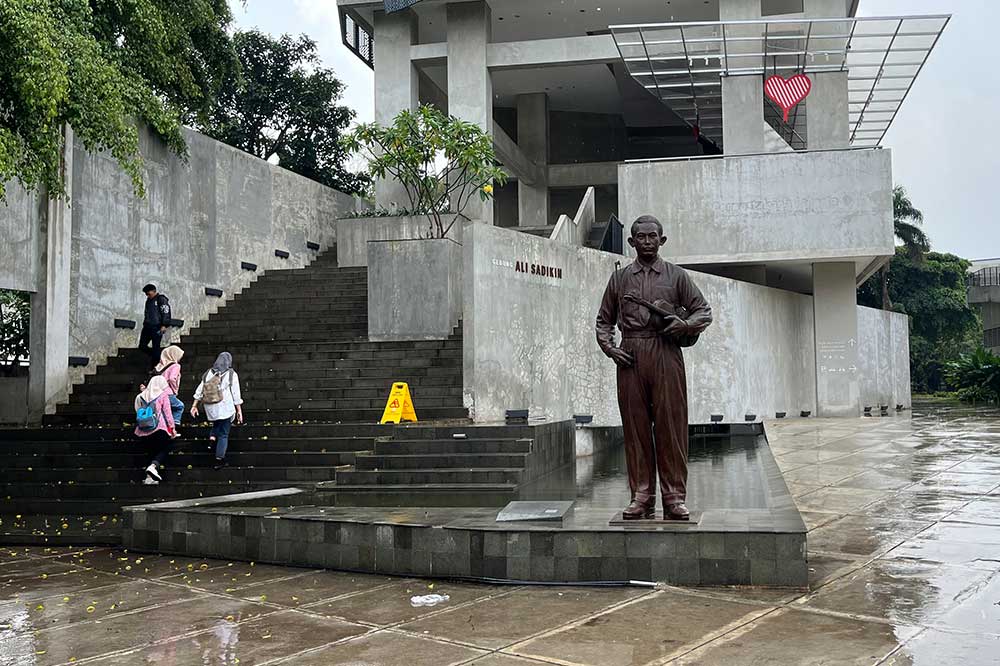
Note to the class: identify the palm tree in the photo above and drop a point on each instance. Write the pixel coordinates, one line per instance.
(906, 221)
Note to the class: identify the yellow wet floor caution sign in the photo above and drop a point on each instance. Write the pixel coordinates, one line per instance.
(399, 406)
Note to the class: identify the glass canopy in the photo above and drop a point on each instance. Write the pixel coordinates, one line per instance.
(683, 64)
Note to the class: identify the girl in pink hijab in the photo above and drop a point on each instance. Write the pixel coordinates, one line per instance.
(157, 396)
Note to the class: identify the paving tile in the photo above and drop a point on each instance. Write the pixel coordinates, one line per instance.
(981, 511)
(653, 628)
(826, 567)
(66, 607)
(502, 621)
(863, 536)
(246, 643)
(311, 587)
(815, 519)
(954, 543)
(391, 605)
(131, 630)
(232, 575)
(900, 591)
(936, 648)
(499, 659)
(913, 506)
(387, 648)
(789, 637)
(35, 585)
(979, 610)
(842, 500)
(126, 563)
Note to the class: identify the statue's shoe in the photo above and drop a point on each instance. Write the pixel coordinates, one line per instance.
(638, 511)
(676, 511)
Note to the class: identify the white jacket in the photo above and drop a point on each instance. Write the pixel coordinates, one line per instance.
(231, 396)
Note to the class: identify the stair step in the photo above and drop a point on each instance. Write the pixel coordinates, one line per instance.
(451, 446)
(420, 476)
(464, 461)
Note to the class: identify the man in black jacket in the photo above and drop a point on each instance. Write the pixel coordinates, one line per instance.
(154, 322)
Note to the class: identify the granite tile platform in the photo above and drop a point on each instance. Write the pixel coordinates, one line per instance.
(749, 532)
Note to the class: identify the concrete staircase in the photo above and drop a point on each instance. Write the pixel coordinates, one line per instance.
(314, 390)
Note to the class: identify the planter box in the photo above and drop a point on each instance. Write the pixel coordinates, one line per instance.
(414, 289)
(353, 234)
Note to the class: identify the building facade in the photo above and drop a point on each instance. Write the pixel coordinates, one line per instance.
(984, 294)
(660, 108)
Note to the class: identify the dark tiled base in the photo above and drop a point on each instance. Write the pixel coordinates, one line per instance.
(537, 553)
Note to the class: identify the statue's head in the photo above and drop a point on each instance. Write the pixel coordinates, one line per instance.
(647, 237)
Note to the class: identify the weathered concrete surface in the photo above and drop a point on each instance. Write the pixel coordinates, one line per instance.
(883, 358)
(835, 311)
(353, 234)
(397, 87)
(20, 248)
(529, 339)
(13, 400)
(199, 221)
(51, 306)
(414, 289)
(795, 206)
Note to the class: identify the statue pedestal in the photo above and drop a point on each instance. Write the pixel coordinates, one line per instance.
(658, 521)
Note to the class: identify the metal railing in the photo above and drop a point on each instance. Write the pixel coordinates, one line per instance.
(991, 337)
(985, 277)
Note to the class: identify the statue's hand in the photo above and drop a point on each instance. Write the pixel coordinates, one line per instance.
(622, 358)
(676, 328)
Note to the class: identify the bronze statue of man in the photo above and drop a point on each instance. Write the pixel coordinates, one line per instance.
(658, 310)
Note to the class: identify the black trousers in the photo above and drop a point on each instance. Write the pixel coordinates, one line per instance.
(151, 334)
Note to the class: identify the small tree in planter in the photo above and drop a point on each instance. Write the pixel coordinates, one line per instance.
(441, 162)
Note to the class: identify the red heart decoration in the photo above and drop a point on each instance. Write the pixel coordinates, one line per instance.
(786, 93)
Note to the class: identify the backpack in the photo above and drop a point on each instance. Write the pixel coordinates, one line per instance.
(211, 393)
(146, 417)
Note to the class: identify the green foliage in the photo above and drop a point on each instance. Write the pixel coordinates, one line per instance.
(976, 375)
(441, 162)
(15, 312)
(942, 325)
(99, 66)
(285, 104)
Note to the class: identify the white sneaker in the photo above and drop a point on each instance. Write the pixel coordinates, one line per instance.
(150, 481)
(154, 473)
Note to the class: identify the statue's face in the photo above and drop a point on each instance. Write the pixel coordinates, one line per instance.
(646, 240)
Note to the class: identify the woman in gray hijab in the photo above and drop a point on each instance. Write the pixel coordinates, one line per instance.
(219, 391)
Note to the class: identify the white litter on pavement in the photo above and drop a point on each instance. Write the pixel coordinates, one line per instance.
(428, 600)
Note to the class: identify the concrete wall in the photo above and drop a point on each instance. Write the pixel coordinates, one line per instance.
(883, 358)
(414, 289)
(20, 252)
(529, 339)
(13, 400)
(200, 219)
(796, 206)
(354, 233)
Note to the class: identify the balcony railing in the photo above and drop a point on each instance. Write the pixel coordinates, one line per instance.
(985, 277)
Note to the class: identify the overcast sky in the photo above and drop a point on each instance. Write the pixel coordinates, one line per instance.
(945, 140)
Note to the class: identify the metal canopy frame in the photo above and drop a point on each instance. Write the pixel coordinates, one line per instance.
(684, 63)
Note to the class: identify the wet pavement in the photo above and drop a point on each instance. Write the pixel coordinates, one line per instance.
(904, 556)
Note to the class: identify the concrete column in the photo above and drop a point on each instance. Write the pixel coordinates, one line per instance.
(835, 314)
(826, 105)
(742, 96)
(533, 140)
(48, 372)
(470, 88)
(826, 114)
(396, 86)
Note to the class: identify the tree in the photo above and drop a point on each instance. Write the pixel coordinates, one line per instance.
(100, 66)
(284, 104)
(943, 326)
(14, 315)
(441, 162)
(906, 221)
